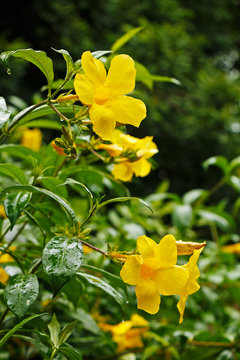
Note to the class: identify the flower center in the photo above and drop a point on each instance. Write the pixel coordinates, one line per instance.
(146, 272)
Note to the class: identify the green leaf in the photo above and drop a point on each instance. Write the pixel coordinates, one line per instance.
(113, 279)
(103, 285)
(48, 193)
(73, 182)
(18, 326)
(193, 195)
(4, 113)
(62, 257)
(234, 164)
(52, 183)
(70, 353)
(87, 321)
(234, 181)
(41, 112)
(73, 290)
(69, 61)
(14, 172)
(160, 78)
(21, 292)
(125, 198)
(19, 151)
(144, 76)
(14, 204)
(44, 124)
(219, 161)
(36, 57)
(39, 345)
(224, 222)
(99, 53)
(54, 329)
(66, 332)
(125, 38)
(182, 216)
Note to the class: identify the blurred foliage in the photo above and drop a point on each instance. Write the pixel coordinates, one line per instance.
(195, 42)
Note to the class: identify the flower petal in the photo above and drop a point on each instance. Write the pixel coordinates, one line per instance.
(147, 247)
(127, 110)
(84, 89)
(103, 121)
(167, 251)
(148, 296)
(122, 172)
(130, 272)
(171, 281)
(121, 75)
(141, 167)
(93, 68)
(181, 307)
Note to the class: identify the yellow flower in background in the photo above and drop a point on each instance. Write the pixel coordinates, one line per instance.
(32, 139)
(104, 93)
(126, 145)
(3, 276)
(2, 211)
(154, 272)
(191, 285)
(128, 334)
(232, 249)
(5, 258)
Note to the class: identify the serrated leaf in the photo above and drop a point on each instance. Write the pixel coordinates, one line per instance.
(14, 172)
(36, 57)
(62, 257)
(14, 204)
(103, 285)
(125, 38)
(182, 216)
(16, 327)
(48, 193)
(68, 59)
(66, 332)
(70, 353)
(21, 292)
(54, 329)
(4, 113)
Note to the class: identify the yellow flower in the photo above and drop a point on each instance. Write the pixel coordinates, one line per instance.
(139, 149)
(191, 285)
(32, 139)
(128, 334)
(232, 249)
(188, 247)
(2, 211)
(3, 276)
(104, 94)
(5, 258)
(154, 272)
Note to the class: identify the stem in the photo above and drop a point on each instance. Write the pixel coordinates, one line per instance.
(53, 354)
(58, 112)
(60, 167)
(98, 155)
(5, 232)
(4, 315)
(94, 248)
